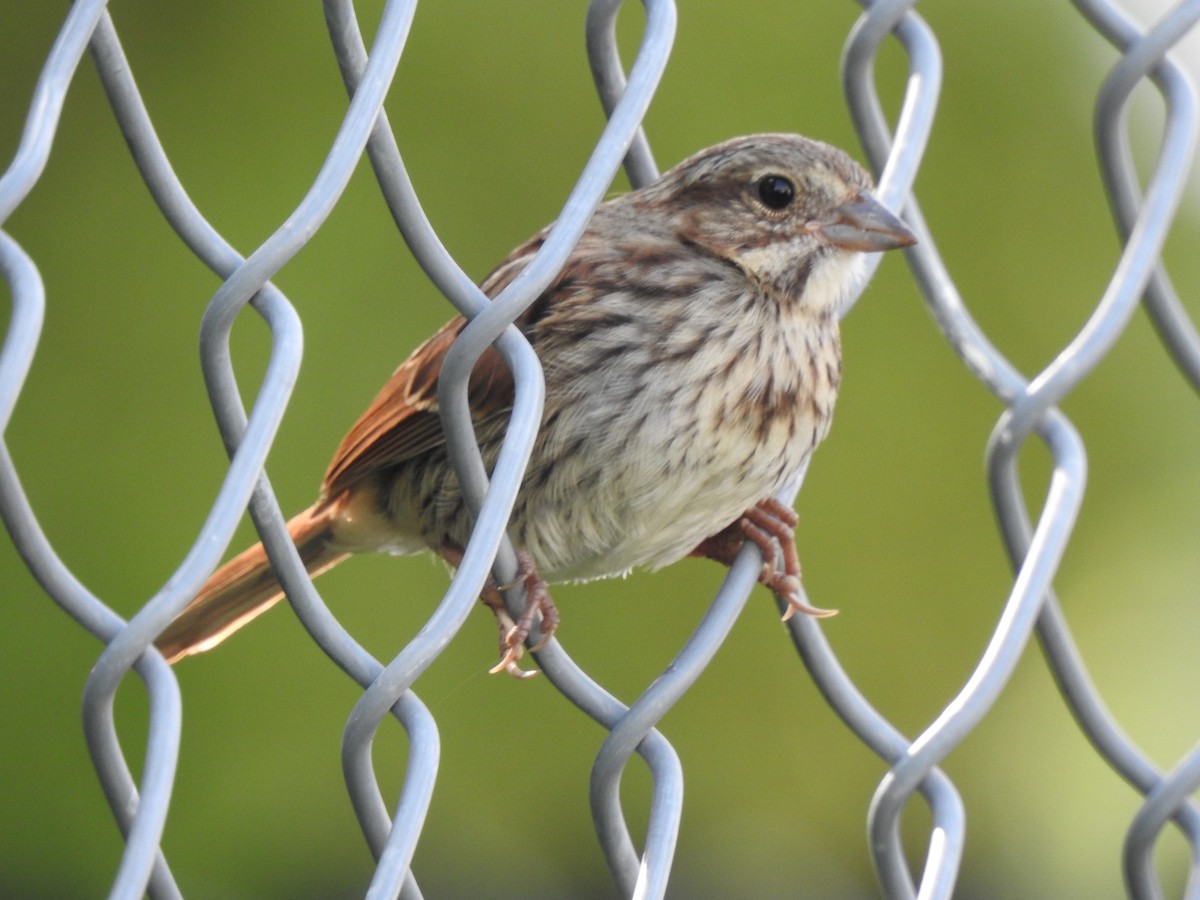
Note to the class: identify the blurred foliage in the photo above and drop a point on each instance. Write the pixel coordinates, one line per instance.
(494, 110)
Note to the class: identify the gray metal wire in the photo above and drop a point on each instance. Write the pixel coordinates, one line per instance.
(1035, 541)
(1036, 550)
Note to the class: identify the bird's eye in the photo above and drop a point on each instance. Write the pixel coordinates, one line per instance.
(775, 191)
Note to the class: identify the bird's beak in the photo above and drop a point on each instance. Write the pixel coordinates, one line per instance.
(865, 224)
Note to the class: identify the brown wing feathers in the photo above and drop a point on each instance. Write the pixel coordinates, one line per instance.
(402, 421)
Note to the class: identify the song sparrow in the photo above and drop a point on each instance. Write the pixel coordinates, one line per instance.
(691, 354)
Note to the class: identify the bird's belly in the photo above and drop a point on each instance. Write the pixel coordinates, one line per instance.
(644, 454)
(650, 498)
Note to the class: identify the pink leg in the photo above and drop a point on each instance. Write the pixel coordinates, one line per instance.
(770, 526)
(513, 634)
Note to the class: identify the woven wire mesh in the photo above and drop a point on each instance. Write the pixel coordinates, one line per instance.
(1035, 536)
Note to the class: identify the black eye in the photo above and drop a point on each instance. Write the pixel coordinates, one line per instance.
(775, 191)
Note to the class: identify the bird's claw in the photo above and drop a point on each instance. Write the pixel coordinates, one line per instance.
(788, 588)
(770, 526)
(511, 652)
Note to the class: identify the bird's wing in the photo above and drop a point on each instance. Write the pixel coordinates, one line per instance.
(402, 421)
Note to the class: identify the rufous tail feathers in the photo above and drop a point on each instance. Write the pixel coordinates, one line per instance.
(246, 587)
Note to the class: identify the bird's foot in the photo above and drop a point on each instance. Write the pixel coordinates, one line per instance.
(514, 633)
(770, 526)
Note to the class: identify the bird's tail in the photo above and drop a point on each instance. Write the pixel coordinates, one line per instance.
(246, 587)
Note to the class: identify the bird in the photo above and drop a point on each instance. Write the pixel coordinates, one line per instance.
(692, 358)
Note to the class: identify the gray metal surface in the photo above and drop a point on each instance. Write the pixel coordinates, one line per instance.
(1035, 539)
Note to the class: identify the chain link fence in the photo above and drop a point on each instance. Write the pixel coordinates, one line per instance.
(1034, 537)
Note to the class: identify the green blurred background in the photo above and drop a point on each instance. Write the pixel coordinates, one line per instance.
(495, 113)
